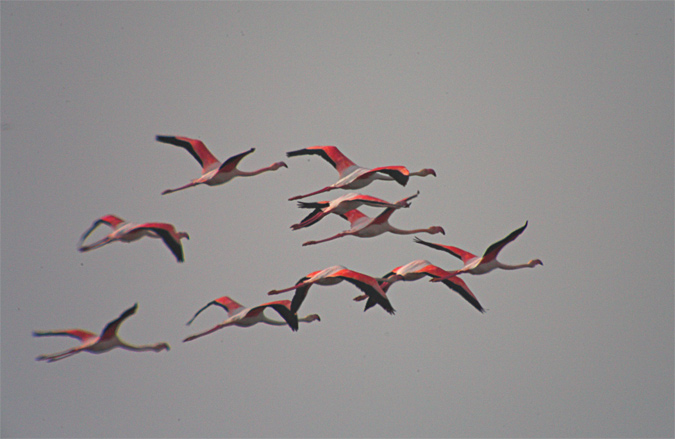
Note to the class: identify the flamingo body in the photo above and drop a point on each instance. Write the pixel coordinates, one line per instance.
(334, 275)
(90, 342)
(246, 317)
(214, 172)
(486, 263)
(127, 232)
(363, 226)
(353, 176)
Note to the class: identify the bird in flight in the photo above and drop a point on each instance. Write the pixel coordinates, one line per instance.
(124, 231)
(334, 275)
(364, 226)
(97, 344)
(245, 317)
(214, 172)
(417, 270)
(484, 264)
(353, 176)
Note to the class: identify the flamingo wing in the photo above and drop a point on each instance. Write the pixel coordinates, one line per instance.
(492, 251)
(224, 302)
(195, 147)
(329, 153)
(111, 328)
(369, 286)
(299, 296)
(231, 163)
(398, 173)
(454, 283)
(454, 251)
(79, 334)
(354, 216)
(109, 220)
(282, 307)
(167, 233)
(314, 216)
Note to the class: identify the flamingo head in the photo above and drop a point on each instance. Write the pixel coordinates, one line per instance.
(424, 172)
(278, 165)
(436, 229)
(535, 262)
(161, 347)
(311, 318)
(182, 235)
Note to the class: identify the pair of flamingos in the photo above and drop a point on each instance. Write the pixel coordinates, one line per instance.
(108, 339)
(216, 173)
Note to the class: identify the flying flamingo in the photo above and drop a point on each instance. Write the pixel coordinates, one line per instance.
(245, 317)
(353, 176)
(97, 344)
(339, 206)
(418, 269)
(124, 231)
(213, 171)
(364, 226)
(484, 264)
(333, 275)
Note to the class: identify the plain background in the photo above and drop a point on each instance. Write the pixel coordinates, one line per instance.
(556, 113)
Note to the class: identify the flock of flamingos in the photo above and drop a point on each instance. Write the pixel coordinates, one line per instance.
(374, 289)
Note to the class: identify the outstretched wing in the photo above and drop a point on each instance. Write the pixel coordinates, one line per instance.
(283, 307)
(79, 334)
(454, 283)
(109, 220)
(495, 248)
(231, 163)
(454, 251)
(398, 173)
(224, 302)
(369, 286)
(300, 294)
(111, 328)
(168, 234)
(195, 147)
(329, 153)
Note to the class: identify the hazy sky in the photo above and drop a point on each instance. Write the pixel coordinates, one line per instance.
(556, 113)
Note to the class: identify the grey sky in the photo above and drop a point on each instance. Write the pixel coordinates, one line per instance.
(558, 113)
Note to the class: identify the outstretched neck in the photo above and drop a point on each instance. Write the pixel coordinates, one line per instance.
(272, 167)
(518, 266)
(142, 348)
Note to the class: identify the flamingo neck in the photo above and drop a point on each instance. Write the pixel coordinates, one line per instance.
(252, 173)
(408, 232)
(514, 267)
(141, 348)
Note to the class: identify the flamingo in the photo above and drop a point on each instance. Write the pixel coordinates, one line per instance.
(364, 226)
(334, 275)
(339, 206)
(124, 231)
(418, 269)
(97, 344)
(484, 264)
(353, 176)
(245, 317)
(213, 171)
